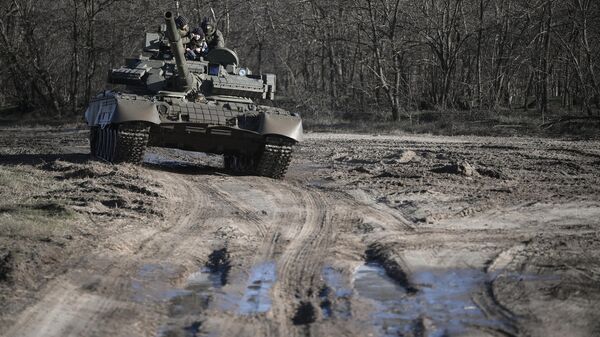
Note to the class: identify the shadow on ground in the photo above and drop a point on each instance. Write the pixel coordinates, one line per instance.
(37, 159)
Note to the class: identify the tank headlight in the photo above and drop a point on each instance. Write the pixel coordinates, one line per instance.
(243, 72)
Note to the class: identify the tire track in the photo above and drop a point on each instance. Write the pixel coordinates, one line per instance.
(301, 263)
(74, 303)
(300, 229)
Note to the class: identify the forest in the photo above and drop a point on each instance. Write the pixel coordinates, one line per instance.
(350, 56)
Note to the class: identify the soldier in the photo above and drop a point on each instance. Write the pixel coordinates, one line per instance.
(184, 28)
(213, 36)
(197, 45)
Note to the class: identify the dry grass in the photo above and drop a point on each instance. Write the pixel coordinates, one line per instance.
(25, 211)
(454, 123)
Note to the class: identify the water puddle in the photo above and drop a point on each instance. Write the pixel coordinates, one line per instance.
(444, 298)
(256, 298)
(188, 304)
(203, 290)
(335, 296)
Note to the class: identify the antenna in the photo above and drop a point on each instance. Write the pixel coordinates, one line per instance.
(214, 15)
(177, 6)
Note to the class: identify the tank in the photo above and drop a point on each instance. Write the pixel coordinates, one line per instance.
(205, 105)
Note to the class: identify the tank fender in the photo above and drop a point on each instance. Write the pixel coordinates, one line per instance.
(281, 125)
(115, 110)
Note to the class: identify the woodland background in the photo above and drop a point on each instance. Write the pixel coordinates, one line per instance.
(392, 58)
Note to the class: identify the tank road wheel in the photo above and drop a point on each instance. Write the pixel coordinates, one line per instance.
(275, 158)
(119, 143)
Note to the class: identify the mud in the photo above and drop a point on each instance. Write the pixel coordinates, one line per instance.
(369, 235)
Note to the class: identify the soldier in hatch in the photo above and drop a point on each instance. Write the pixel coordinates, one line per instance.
(197, 45)
(213, 36)
(184, 28)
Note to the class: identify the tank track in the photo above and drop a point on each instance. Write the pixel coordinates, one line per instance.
(133, 139)
(124, 143)
(274, 160)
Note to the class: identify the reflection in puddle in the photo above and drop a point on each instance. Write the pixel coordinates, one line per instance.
(335, 296)
(444, 299)
(189, 303)
(257, 297)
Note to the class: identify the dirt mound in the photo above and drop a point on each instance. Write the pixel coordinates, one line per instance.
(461, 168)
(400, 157)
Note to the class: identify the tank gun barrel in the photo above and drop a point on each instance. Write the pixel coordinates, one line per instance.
(184, 78)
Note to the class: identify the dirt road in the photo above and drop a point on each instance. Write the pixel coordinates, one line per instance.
(366, 236)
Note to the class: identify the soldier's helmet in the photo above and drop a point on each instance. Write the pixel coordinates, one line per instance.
(198, 31)
(181, 22)
(207, 27)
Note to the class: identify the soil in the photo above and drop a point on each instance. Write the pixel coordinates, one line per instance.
(368, 235)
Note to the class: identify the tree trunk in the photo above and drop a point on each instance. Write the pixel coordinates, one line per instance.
(545, 83)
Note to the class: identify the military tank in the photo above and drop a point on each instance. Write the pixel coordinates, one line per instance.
(205, 105)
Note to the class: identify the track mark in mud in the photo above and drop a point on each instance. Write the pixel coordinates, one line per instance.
(257, 297)
(380, 255)
(305, 314)
(219, 264)
(191, 330)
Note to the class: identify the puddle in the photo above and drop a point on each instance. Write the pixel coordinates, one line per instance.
(335, 296)
(203, 290)
(196, 296)
(444, 298)
(189, 303)
(256, 298)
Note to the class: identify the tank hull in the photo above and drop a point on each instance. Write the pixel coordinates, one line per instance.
(206, 138)
(204, 105)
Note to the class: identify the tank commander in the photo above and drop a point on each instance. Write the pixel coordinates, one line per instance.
(213, 36)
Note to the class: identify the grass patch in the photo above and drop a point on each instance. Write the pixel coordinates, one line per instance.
(24, 211)
(32, 221)
(11, 116)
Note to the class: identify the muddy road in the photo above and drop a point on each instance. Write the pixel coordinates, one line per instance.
(367, 236)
